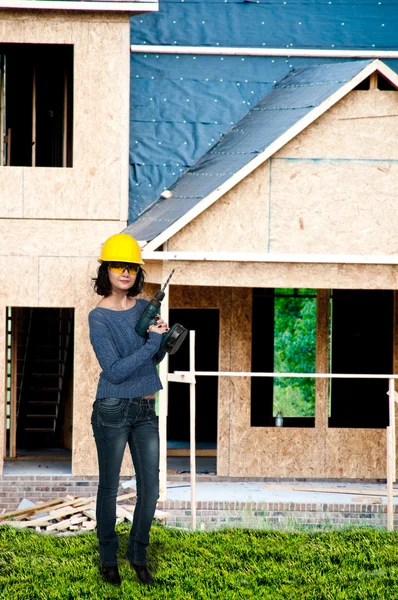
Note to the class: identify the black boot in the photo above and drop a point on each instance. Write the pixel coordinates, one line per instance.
(143, 573)
(111, 574)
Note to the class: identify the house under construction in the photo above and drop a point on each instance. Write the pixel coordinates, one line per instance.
(296, 200)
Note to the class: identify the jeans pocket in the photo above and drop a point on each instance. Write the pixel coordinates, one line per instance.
(112, 412)
(151, 413)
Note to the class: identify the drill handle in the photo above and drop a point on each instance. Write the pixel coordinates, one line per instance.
(148, 317)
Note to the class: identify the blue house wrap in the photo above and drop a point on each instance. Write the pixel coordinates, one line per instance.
(181, 105)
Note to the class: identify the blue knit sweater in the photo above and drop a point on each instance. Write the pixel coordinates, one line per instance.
(128, 361)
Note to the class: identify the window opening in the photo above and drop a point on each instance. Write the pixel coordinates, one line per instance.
(284, 340)
(36, 105)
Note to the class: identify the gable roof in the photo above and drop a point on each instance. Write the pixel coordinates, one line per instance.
(293, 104)
(129, 6)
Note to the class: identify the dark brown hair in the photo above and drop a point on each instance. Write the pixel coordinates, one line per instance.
(103, 287)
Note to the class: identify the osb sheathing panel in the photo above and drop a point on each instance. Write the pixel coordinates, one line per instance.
(324, 192)
(236, 222)
(361, 125)
(2, 381)
(353, 453)
(97, 185)
(333, 207)
(294, 452)
(36, 237)
(277, 452)
(11, 202)
(294, 275)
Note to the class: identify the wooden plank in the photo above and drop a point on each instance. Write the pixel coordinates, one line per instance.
(160, 515)
(391, 407)
(373, 81)
(89, 525)
(31, 510)
(390, 473)
(90, 513)
(322, 360)
(62, 525)
(186, 452)
(70, 510)
(395, 366)
(304, 488)
(163, 401)
(126, 496)
(125, 514)
(34, 117)
(41, 521)
(367, 499)
(192, 421)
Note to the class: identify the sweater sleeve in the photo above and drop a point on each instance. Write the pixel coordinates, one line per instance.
(115, 368)
(160, 354)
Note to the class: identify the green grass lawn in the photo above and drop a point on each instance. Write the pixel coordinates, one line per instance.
(227, 564)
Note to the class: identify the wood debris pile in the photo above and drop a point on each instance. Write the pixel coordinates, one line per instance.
(70, 514)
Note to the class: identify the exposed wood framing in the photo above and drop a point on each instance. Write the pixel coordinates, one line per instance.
(186, 376)
(65, 122)
(2, 112)
(322, 358)
(374, 81)
(163, 401)
(391, 409)
(14, 376)
(34, 113)
(390, 469)
(192, 419)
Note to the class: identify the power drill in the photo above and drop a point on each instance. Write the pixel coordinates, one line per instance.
(173, 339)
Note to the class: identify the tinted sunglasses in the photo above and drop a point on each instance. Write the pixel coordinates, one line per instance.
(119, 268)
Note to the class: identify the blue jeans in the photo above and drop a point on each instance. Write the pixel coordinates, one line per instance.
(117, 422)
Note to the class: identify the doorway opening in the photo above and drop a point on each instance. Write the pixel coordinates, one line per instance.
(206, 324)
(39, 384)
(362, 325)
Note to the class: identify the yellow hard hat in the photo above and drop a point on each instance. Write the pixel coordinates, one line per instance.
(121, 247)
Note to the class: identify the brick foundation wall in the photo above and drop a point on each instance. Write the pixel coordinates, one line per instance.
(277, 515)
(211, 514)
(43, 488)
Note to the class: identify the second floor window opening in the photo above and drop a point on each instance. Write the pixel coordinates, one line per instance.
(36, 105)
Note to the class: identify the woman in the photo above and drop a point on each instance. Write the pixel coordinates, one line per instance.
(124, 409)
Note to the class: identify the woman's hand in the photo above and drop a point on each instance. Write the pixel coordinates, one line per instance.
(159, 327)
